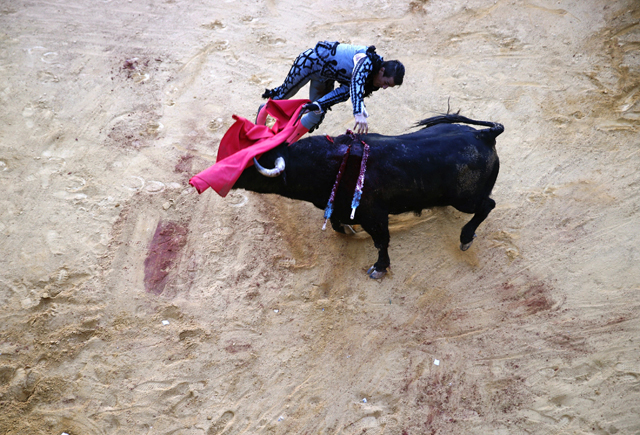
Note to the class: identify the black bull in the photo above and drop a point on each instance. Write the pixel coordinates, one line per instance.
(439, 165)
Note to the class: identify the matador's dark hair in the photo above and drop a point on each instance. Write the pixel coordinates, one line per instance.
(392, 68)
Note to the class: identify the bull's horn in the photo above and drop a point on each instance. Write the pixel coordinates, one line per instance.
(279, 169)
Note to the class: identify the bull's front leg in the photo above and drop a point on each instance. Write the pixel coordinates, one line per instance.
(339, 227)
(377, 225)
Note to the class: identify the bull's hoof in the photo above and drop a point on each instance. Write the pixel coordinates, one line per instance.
(376, 274)
(465, 246)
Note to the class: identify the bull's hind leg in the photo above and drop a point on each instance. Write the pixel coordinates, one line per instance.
(469, 230)
(377, 225)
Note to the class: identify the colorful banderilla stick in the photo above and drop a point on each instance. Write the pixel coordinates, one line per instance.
(329, 209)
(363, 169)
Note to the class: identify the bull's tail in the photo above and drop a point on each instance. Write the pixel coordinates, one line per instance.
(452, 118)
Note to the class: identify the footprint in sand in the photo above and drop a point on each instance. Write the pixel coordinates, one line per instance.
(134, 183)
(561, 424)
(147, 387)
(154, 187)
(77, 184)
(238, 199)
(49, 57)
(371, 425)
(221, 423)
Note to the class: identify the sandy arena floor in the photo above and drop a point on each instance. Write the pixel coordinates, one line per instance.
(257, 322)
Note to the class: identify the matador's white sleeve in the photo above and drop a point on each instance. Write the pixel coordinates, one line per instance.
(361, 70)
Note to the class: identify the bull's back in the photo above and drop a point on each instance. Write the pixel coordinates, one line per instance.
(450, 164)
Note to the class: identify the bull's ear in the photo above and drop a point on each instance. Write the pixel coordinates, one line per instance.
(279, 168)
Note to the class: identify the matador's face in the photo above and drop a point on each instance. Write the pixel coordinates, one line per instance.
(380, 81)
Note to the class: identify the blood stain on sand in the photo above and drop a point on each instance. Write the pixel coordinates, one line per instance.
(167, 242)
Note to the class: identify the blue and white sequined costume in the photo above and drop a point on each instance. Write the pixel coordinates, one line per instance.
(328, 62)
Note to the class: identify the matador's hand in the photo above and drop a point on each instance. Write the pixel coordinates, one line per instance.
(361, 127)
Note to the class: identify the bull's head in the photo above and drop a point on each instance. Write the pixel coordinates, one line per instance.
(279, 169)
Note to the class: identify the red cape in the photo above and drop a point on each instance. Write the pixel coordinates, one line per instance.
(243, 141)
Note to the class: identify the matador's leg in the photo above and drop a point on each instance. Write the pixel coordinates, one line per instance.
(305, 65)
